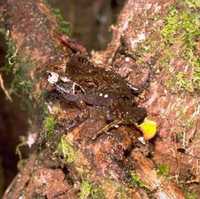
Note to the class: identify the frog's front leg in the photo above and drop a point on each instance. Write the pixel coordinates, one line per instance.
(134, 115)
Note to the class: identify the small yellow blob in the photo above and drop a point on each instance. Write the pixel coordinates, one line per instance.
(149, 129)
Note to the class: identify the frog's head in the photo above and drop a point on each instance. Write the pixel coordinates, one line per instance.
(52, 77)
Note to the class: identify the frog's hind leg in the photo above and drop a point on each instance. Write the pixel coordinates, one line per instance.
(135, 115)
(105, 129)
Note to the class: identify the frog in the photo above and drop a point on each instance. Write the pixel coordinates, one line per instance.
(84, 83)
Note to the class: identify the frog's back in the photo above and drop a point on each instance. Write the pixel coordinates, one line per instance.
(82, 71)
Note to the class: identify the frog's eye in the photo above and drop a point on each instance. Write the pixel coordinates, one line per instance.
(53, 77)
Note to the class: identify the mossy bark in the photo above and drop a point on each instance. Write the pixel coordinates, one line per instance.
(65, 162)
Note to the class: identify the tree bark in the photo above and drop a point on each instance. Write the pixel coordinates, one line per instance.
(116, 165)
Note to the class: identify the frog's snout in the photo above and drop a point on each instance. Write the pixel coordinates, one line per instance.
(52, 77)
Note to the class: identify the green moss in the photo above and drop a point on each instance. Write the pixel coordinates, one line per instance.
(191, 195)
(97, 193)
(64, 26)
(182, 27)
(85, 189)
(66, 150)
(16, 69)
(122, 192)
(16, 72)
(163, 170)
(21, 84)
(193, 3)
(136, 181)
(180, 82)
(89, 190)
(49, 124)
(171, 26)
(196, 76)
(11, 54)
(182, 24)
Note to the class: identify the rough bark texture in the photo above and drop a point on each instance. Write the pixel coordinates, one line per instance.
(116, 165)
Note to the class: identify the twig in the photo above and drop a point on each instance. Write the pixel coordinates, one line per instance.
(106, 128)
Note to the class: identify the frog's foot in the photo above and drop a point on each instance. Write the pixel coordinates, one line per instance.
(105, 129)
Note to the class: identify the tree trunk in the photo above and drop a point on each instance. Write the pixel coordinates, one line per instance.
(154, 47)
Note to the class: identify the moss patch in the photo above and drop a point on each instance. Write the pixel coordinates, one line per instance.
(182, 25)
(89, 190)
(163, 170)
(191, 195)
(177, 42)
(182, 28)
(66, 150)
(85, 189)
(136, 181)
(193, 3)
(17, 75)
(64, 26)
(17, 68)
(49, 124)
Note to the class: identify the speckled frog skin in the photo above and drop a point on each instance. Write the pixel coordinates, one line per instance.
(97, 87)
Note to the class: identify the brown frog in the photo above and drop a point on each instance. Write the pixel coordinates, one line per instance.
(85, 83)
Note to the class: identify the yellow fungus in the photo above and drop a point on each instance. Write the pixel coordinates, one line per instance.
(148, 128)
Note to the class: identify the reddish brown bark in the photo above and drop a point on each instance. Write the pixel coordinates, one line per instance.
(33, 29)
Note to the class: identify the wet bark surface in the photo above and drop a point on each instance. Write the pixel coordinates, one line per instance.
(72, 156)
